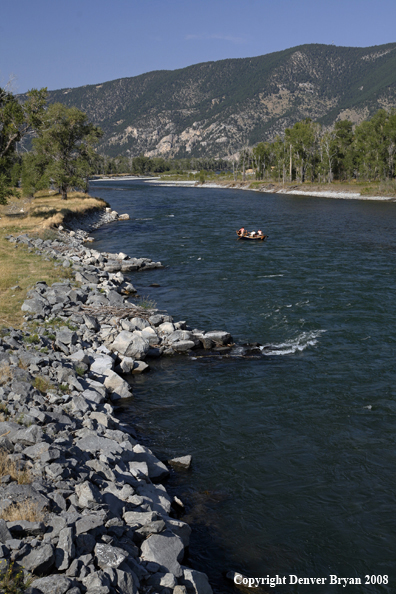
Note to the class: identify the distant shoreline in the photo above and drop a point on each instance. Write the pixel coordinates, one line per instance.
(267, 188)
(275, 189)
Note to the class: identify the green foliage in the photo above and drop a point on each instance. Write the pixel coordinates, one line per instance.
(16, 120)
(32, 339)
(42, 384)
(6, 191)
(63, 151)
(80, 371)
(33, 174)
(13, 579)
(15, 174)
(147, 303)
(308, 152)
(202, 177)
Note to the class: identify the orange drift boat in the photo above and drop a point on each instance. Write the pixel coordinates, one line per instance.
(256, 236)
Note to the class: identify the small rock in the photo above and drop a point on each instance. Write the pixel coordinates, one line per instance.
(183, 462)
(108, 556)
(88, 494)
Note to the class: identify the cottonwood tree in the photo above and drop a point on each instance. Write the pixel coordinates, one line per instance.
(63, 150)
(261, 155)
(303, 139)
(16, 120)
(328, 152)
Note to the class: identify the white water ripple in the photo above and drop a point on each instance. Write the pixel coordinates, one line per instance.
(298, 344)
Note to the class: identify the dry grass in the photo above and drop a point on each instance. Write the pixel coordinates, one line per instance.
(46, 210)
(26, 510)
(7, 466)
(5, 374)
(42, 384)
(20, 267)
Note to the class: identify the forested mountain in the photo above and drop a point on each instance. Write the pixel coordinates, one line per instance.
(216, 108)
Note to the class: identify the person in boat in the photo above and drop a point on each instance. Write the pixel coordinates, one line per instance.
(252, 234)
(241, 232)
(259, 232)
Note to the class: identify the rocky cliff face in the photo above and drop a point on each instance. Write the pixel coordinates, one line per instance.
(215, 108)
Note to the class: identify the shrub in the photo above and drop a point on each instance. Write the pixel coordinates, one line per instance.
(12, 579)
(147, 303)
(12, 468)
(42, 384)
(32, 339)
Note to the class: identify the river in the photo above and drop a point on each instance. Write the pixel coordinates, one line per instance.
(294, 468)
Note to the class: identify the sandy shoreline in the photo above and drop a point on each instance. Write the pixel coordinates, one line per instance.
(273, 190)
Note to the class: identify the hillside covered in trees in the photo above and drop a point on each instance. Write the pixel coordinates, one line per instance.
(215, 109)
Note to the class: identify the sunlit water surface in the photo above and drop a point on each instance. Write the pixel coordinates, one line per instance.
(294, 468)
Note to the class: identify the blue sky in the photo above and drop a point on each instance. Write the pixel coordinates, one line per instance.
(69, 43)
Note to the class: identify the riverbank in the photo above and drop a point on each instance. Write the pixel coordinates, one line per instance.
(83, 504)
(344, 192)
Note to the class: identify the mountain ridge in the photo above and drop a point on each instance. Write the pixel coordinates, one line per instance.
(215, 108)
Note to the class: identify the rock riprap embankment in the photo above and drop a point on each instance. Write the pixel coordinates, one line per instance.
(83, 504)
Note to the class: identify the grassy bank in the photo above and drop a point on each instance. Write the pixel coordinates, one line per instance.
(21, 267)
(365, 188)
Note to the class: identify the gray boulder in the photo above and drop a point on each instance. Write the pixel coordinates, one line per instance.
(53, 584)
(157, 470)
(29, 436)
(183, 345)
(39, 560)
(166, 328)
(112, 266)
(219, 337)
(130, 344)
(178, 335)
(196, 582)
(21, 528)
(79, 357)
(34, 306)
(139, 323)
(166, 549)
(91, 323)
(127, 364)
(88, 494)
(114, 383)
(102, 364)
(66, 336)
(139, 518)
(80, 404)
(127, 582)
(65, 551)
(182, 462)
(115, 299)
(5, 534)
(95, 444)
(89, 522)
